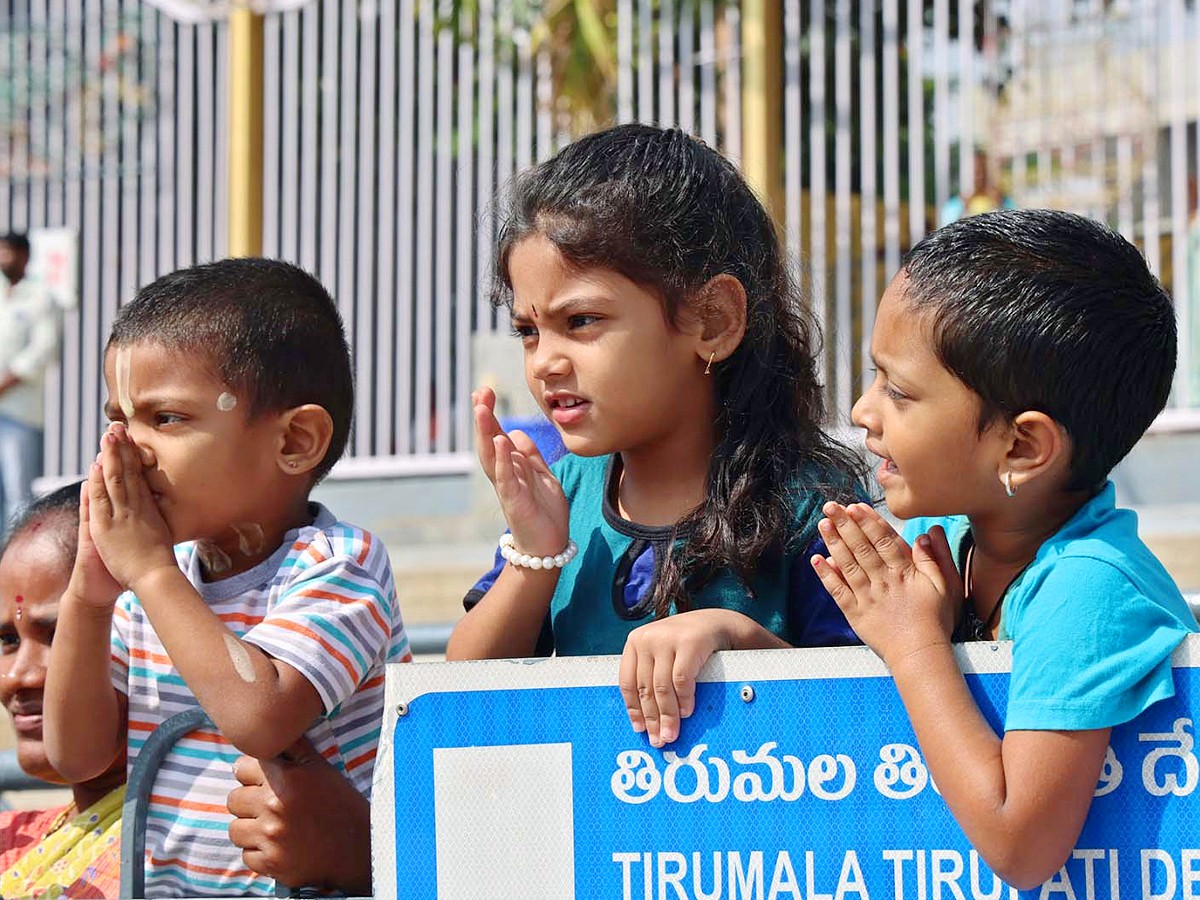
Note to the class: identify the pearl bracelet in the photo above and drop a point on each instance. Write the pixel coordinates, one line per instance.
(515, 557)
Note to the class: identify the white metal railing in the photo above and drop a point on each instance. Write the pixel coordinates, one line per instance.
(389, 128)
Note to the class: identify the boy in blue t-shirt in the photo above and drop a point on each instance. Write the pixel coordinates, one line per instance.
(1019, 356)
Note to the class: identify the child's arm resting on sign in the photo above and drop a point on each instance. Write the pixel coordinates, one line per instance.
(662, 659)
(508, 618)
(260, 704)
(1022, 800)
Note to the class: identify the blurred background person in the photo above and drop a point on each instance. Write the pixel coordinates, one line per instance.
(29, 331)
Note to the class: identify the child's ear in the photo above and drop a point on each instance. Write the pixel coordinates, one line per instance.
(305, 433)
(720, 313)
(1039, 447)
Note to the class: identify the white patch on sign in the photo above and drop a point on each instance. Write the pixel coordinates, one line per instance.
(500, 820)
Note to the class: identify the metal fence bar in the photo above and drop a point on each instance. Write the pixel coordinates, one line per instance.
(1177, 87)
(624, 60)
(687, 66)
(383, 339)
(405, 219)
(443, 296)
(891, 136)
(309, 211)
(463, 258)
(272, 243)
(666, 62)
(732, 68)
(290, 148)
(484, 315)
(793, 145)
(708, 72)
(966, 85)
(366, 243)
(869, 226)
(915, 42)
(423, 371)
(382, 161)
(843, 312)
(646, 111)
(817, 134)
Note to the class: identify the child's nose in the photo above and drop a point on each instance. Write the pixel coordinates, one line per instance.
(548, 361)
(863, 415)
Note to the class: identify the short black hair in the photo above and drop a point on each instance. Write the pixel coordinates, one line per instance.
(18, 240)
(1045, 310)
(270, 330)
(63, 504)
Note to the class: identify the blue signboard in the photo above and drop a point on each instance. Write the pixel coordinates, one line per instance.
(809, 787)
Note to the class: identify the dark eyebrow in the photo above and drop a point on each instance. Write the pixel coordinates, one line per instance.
(568, 305)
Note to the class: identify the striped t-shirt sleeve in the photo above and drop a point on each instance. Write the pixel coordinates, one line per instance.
(331, 624)
(119, 643)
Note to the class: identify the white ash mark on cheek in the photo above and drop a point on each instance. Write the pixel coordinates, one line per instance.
(240, 657)
(226, 402)
(124, 401)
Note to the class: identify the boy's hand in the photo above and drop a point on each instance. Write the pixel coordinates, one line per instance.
(531, 498)
(90, 582)
(898, 599)
(125, 523)
(298, 820)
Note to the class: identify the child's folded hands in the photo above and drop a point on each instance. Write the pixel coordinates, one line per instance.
(124, 521)
(899, 599)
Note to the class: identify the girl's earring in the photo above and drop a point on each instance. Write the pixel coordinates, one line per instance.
(708, 367)
(1008, 485)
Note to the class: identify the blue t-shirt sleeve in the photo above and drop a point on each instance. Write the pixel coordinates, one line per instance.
(814, 618)
(1090, 649)
(484, 584)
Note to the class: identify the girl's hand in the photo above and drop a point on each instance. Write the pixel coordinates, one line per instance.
(531, 498)
(125, 523)
(662, 659)
(90, 582)
(900, 600)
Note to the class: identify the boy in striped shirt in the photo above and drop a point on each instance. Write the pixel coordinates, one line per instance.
(230, 395)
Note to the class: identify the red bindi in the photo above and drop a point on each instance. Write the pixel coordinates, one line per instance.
(19, 600)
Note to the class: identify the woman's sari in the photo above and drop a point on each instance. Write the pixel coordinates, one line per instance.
(77, 856)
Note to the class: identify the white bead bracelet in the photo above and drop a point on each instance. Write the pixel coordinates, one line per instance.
(515, 557)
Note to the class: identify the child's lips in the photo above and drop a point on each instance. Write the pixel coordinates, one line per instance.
(567, 409)
(887, 470)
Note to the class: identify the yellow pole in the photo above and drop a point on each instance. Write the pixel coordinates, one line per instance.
(245, 132)
(762, 102)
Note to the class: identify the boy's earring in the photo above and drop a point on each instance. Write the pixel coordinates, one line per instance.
(291, 464)
(708, 367)
(1008, 485)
